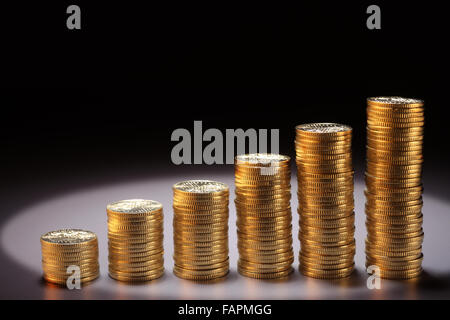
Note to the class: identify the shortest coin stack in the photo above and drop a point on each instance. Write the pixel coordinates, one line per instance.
(66, 248)
(200, 229)
(135, 234)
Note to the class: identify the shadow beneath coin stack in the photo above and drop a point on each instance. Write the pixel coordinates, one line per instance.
(433, 282)
(137, 283)
(356, 279)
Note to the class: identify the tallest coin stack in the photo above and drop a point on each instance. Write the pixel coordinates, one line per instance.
(393, 186)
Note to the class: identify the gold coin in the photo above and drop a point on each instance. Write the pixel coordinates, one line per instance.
(136, 279)
(68, 237)
(200, 187)
(306, 264)
(134, 207)
(180, 273)
(326, 258)
(63, 280)
(326, 274)
(133, 274)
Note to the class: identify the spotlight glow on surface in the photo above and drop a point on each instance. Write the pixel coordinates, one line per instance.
(85, 208)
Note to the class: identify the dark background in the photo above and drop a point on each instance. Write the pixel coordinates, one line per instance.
(111, 94)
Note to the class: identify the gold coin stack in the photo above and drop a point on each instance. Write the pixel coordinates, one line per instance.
(200, 230)
(263, 193)
(64, 248)
(393, 186)
(325, 196)
(135, 240)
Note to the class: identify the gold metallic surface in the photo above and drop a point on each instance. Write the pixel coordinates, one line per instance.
(325, 195)
(200, 230)
(134, 206)
(69, 247)
(194, 188)
(68, 236)
(394, 218)
(264, 230)
(135, 240)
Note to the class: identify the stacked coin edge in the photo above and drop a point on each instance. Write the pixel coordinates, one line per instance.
(326, 204)
(135, 240)
(200, 230)
(64, 248)
(393, 186)
(264, 215)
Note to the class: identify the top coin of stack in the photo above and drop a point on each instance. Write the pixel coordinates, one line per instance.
(325, 195)
(200, 229)
(135, 240)
(264, 215)
(393, 186)
(69, 247)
